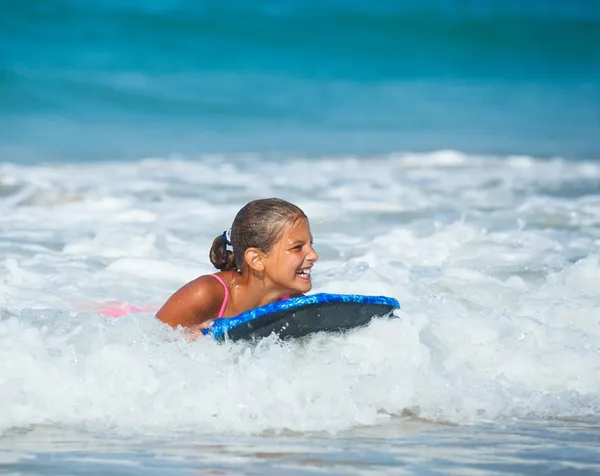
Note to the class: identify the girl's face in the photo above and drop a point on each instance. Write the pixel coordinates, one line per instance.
(289, 263)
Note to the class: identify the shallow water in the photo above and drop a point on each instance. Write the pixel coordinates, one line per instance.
(401, 446)
(491, 365)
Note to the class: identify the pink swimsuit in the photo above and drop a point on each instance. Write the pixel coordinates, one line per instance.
(224, 305)
(118, 309)
(226, 299)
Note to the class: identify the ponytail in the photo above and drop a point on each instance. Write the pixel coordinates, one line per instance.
(221, 257)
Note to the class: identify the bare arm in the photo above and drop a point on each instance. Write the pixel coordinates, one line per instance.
(196, 302)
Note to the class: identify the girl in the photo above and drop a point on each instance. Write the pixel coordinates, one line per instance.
(265, 257)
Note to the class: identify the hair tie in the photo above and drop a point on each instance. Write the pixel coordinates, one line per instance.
(226, 237)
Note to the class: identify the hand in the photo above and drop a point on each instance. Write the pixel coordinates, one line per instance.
(195, 331)
(205, 324)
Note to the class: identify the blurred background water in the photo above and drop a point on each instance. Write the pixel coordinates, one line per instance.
(87, 80)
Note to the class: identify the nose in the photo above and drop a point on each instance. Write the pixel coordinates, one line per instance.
(312, 255)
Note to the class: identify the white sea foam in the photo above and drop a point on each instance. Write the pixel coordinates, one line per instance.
(495, 262)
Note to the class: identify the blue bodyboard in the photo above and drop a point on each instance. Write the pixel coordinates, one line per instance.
(304, 315)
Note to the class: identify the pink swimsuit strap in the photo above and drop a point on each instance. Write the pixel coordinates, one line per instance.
(224, 305)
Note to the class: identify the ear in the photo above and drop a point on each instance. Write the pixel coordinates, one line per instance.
(254, 259)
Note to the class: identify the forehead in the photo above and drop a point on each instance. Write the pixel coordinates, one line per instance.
(299, 230)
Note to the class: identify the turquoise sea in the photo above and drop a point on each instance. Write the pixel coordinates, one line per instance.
(447, 153)
(89, 80)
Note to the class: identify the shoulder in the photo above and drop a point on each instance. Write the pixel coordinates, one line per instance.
(208, 283)
(193, 303)
(206, 291)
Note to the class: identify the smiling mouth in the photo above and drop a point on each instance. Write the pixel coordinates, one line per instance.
(304, 273)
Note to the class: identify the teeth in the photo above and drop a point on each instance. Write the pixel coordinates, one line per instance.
(304, 272)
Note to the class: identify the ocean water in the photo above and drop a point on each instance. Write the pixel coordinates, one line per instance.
(446, 153)
(491, 366)
(89, 80)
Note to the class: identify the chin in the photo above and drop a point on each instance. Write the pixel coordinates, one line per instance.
(305, 287)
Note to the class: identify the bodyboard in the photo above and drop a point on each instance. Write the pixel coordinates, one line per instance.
(304, 315)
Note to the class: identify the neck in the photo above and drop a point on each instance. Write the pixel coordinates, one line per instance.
(250, 290)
